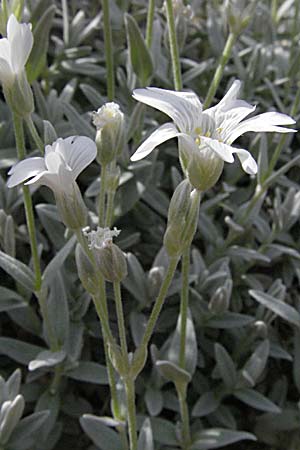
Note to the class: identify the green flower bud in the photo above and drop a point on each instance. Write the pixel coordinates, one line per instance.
(86, 271)
(239, 13)
(71, 207)
(109, 258)
(154, 280)
(182, 219)
(19, 95)
(202, 168)
(219, 302)
(113, 178)
(110, 135)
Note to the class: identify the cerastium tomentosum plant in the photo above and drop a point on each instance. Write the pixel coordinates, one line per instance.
(205, 138)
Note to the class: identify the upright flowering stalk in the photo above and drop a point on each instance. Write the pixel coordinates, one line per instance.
(64, 160)
(14, 53)
(205, 137)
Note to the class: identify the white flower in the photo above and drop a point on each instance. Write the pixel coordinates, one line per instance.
(64, 160)
(108, 113)
(210, 132)
(102, 237)
(14, 50)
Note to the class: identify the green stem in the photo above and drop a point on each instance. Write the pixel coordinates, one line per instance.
(220, 69)
(108, 51)
(34, 134)
(110, 208)
(159, 302)
(184, 304)
(149, 26)
(120, 317)
(102, 195)
(131, 413)
(184, 413)
(174, 46)
(20, 144)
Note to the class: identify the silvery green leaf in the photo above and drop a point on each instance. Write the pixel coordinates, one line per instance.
(26, 432)
(205, 405)
(18, 270)
(248, 254)
(37, 58)
(9, 238)
(10, 299)
(89, 372)
(52, 402)
(278, 307)
(256, 400)
(154, 400)
(145, 441)
(47, 359)
(173, 372)
(135, 282)
(219, 437)
(56, 263)
(81, 126)
(92, 95)
(50, 220)
(191, 348)
(27, 318)
(229, 320)
(163, 431)
(58, 308)
(49, 133)
(11, 417)
(19, 351)
(225, 366)
(103, 437)
(13, 384)
(140, 57)
(138, 324)
(255, 365)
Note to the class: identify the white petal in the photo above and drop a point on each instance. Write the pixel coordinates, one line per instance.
(6, 74)
(183, 107)
(78, 152)
(266, 122)
(24, 170)
(231, 94)
(224, 151)
(5, 50)
(21, 41)
(162, 134)
(54, 161)
(46, 178)
(248, 162)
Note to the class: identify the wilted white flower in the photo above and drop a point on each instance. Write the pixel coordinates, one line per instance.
(205, 137)
(110, 135)
(101, 237)
(14, 50)
(64, 160)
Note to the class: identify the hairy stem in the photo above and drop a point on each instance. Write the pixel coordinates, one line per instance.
(102, 195)
(174, 46)
(220, 69)
(131, 413)
(149, 26)
(110, 80)
(34, 134)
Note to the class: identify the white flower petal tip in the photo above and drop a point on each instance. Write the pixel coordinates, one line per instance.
(64, 160)
(162, 134)
(249, 164)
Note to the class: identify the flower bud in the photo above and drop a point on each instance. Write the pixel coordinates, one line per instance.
(71, 207)
(110, 135)
(113, 178)
(109, 258)
(219, 302)
(239, 14)
(86, 271)
(20, 96)
(182, 219)
(154, 280)
(202, 168)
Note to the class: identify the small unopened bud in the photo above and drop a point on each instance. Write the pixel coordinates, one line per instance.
(203, 168)
(19, 95)
(86, 271)
(109, 258)
(71, 207)
(219, 302)
(182, 219)
(110, 135)
(113, 178)
(259, 329)
(239, 14)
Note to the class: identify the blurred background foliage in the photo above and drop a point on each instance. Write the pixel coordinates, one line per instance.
(244, 328)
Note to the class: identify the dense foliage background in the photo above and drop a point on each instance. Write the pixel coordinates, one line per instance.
(244, 328)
